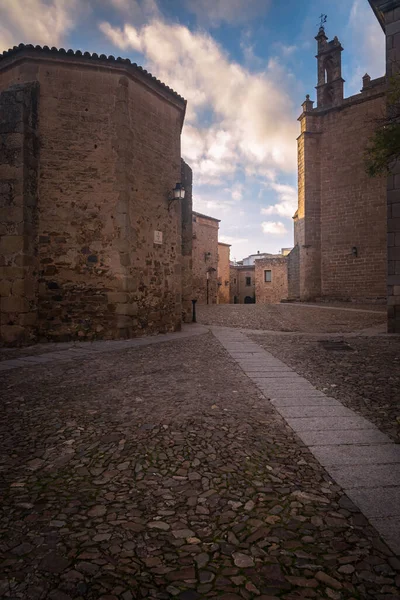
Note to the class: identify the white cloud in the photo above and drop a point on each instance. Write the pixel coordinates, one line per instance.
(252, 128)
(287, 205)
(285, 50)
(138, 11)
(274, 227)
(36, 21)
(232, 12)
(236, 191)
(229, 239)
(128, 38)
(216, 205)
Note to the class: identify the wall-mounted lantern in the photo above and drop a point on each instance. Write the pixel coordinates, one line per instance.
(354, 251)
(178, 193)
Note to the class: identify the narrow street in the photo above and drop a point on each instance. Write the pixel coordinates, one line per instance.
(162, 470)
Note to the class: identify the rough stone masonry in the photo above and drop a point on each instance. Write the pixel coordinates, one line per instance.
(91, 243)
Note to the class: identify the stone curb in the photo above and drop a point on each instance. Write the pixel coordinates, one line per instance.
(355, 453)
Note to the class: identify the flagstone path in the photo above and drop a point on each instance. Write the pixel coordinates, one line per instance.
(363, 460)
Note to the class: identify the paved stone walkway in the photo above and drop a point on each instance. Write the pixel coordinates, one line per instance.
(363, 460)
(66, 352)
(291, 317)
(161, 471)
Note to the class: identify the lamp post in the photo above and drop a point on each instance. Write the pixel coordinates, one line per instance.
(194, 311)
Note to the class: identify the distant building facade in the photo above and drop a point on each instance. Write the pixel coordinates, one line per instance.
(271, 280)
(205, 258)
(340, 225)
(242, 284)
(92, 246)
(223, 273)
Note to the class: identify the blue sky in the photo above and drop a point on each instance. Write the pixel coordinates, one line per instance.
(244, 66)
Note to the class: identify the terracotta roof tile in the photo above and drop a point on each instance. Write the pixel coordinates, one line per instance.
(87, 55)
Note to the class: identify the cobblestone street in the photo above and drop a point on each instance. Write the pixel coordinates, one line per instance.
(162, 471)
(293, 317)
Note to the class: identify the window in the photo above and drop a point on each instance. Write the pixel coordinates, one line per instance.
(234, 281)
(248, 280)
(267, 276)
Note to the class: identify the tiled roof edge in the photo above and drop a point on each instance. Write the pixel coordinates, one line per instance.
(94, 56)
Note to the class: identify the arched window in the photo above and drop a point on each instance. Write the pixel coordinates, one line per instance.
(328, 69)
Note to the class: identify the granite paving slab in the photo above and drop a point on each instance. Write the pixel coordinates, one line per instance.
(297, 401)
(389, 528)
(321, 423)
(377, 502)
(375, 476)
(357, 455)
(344, 436)
(337, 410)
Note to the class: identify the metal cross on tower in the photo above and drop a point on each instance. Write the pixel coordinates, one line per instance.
(322, 20)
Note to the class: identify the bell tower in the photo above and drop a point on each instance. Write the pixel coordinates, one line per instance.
(330, 82)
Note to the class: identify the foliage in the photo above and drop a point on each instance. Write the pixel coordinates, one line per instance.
(384, 146)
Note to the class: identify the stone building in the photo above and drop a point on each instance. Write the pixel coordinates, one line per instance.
(205, 258)
(242, 284)
(271, 279)
(340, 225)
(92, 243)
(388, 14)
(223, 273)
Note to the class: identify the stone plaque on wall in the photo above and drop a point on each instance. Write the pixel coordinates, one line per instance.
(158, 237)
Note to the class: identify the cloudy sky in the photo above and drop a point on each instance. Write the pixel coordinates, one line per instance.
(244, 66)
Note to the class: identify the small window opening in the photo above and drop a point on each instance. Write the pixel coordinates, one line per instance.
(267, 276)
(248, 280)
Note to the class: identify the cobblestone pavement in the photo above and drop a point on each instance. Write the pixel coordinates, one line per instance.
(288, 317)
(162, 472)
(11, 358)
(362, 372)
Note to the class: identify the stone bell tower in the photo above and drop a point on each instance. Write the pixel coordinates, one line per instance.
(330, 82)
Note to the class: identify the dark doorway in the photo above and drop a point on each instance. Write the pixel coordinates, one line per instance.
(249, 300)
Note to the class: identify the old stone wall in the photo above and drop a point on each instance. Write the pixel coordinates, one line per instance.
(308, 219)
(19, 160)
(340, 222)
(392, 26)
(275, 290)
(187, 242)
(205, 258)
(109, 156)
(353, 207)
(223, 273)
(293, 273)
